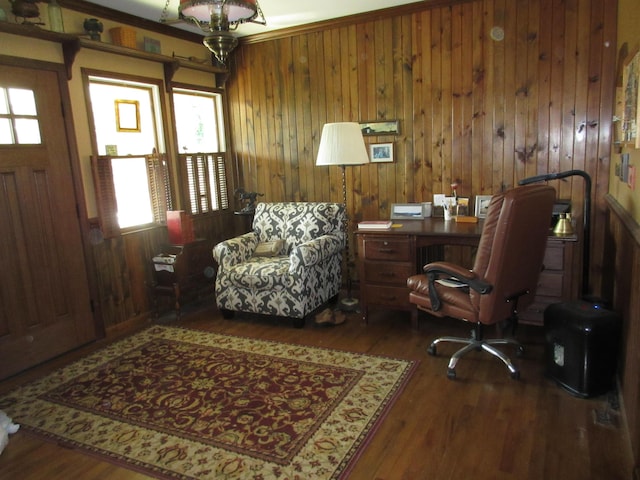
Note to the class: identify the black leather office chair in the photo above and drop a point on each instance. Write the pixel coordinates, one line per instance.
(504, 276)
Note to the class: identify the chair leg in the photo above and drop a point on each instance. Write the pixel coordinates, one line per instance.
(477, 342)
(515, 373)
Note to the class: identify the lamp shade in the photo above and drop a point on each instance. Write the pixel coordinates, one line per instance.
(342, 144)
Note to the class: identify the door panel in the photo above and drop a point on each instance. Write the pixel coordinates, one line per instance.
(44, 295)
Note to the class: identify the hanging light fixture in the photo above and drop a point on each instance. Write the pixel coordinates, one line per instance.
(218, 18)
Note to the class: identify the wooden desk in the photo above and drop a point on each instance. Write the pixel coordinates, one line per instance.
(386, 258)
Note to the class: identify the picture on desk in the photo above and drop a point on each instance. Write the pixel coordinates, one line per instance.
(462, 207)
(482, 205)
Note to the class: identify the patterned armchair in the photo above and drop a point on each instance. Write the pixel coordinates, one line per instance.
(289, 265)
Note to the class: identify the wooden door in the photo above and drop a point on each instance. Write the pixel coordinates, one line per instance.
(44, 296)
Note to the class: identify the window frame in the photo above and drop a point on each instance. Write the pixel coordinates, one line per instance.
(158, 178)
(192, 182)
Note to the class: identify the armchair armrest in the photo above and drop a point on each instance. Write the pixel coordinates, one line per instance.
(461, 276)
(314, 251)
(235, 250)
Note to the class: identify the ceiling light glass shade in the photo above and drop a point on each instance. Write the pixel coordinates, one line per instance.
(234, 11)
(342, 144)
(218, 17)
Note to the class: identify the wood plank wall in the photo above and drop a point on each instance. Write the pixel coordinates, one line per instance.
(480, 112)
(623, 247)
(124, 268)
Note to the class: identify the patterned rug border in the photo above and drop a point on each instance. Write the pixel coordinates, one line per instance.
(346, 460)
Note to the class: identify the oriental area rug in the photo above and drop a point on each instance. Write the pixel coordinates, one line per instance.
(178, 403)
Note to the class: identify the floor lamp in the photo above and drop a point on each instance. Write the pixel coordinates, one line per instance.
(342, 144)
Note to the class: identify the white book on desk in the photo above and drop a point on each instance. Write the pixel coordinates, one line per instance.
(375, 225)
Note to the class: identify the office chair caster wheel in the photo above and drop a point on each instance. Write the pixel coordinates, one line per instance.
(451, 374)
(515, 375)
(432, 350)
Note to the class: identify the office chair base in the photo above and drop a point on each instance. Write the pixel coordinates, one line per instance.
(476, 344)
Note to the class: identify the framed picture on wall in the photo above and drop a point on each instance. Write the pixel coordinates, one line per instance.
(385, 127)
(381, 152)
(631, 105)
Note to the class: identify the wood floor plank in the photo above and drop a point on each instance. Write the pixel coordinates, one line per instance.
(482, 425)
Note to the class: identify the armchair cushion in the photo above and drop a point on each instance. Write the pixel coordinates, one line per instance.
(269, 249)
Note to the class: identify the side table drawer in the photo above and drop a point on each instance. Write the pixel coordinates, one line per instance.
(387, 272)
(396, 249)
(388, 296)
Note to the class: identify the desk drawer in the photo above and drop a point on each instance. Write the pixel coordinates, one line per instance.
(388, 272)
(387, 296)
(550, 284)
(396, 249)
(553, 257)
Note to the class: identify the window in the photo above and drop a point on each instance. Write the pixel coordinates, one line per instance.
(201, 147)
(130, 172)
(19, 122)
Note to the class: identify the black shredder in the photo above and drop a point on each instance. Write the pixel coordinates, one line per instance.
(581, 347)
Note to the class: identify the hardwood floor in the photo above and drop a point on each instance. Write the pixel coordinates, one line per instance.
(483, 425)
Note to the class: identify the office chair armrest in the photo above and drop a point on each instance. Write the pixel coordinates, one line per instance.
(452, 272)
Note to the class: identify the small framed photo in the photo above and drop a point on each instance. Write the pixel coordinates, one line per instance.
(381, 152)
(390, 127)
(152, 45)
(482, 205)
(127, 115)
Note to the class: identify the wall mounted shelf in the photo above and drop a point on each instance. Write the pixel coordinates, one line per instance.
(72, 44)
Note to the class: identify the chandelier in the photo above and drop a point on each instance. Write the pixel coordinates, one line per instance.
(218, 18)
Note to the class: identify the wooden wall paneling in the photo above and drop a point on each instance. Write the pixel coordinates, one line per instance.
(602, 67)
(531, 141)
(572, 110)
(241, 102)
(384, 109)
(555, 97)
(487, 156)
(446, 92)
(416, 163)
(435, 85)
(478, 94)
(457, 96)
(499, 101)
(521, 97)
(273, 115)
(545, 60)
(304, 148)
(279, 120)
(486, 112)
(320, 183)
(507, 49)
(404, 141)
(466, 75)
(623, 236)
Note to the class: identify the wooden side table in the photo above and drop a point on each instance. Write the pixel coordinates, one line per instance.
(181, 271)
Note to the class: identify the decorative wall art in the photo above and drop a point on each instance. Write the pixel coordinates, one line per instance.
(630, 118)
(387, 127)
(381, 152)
